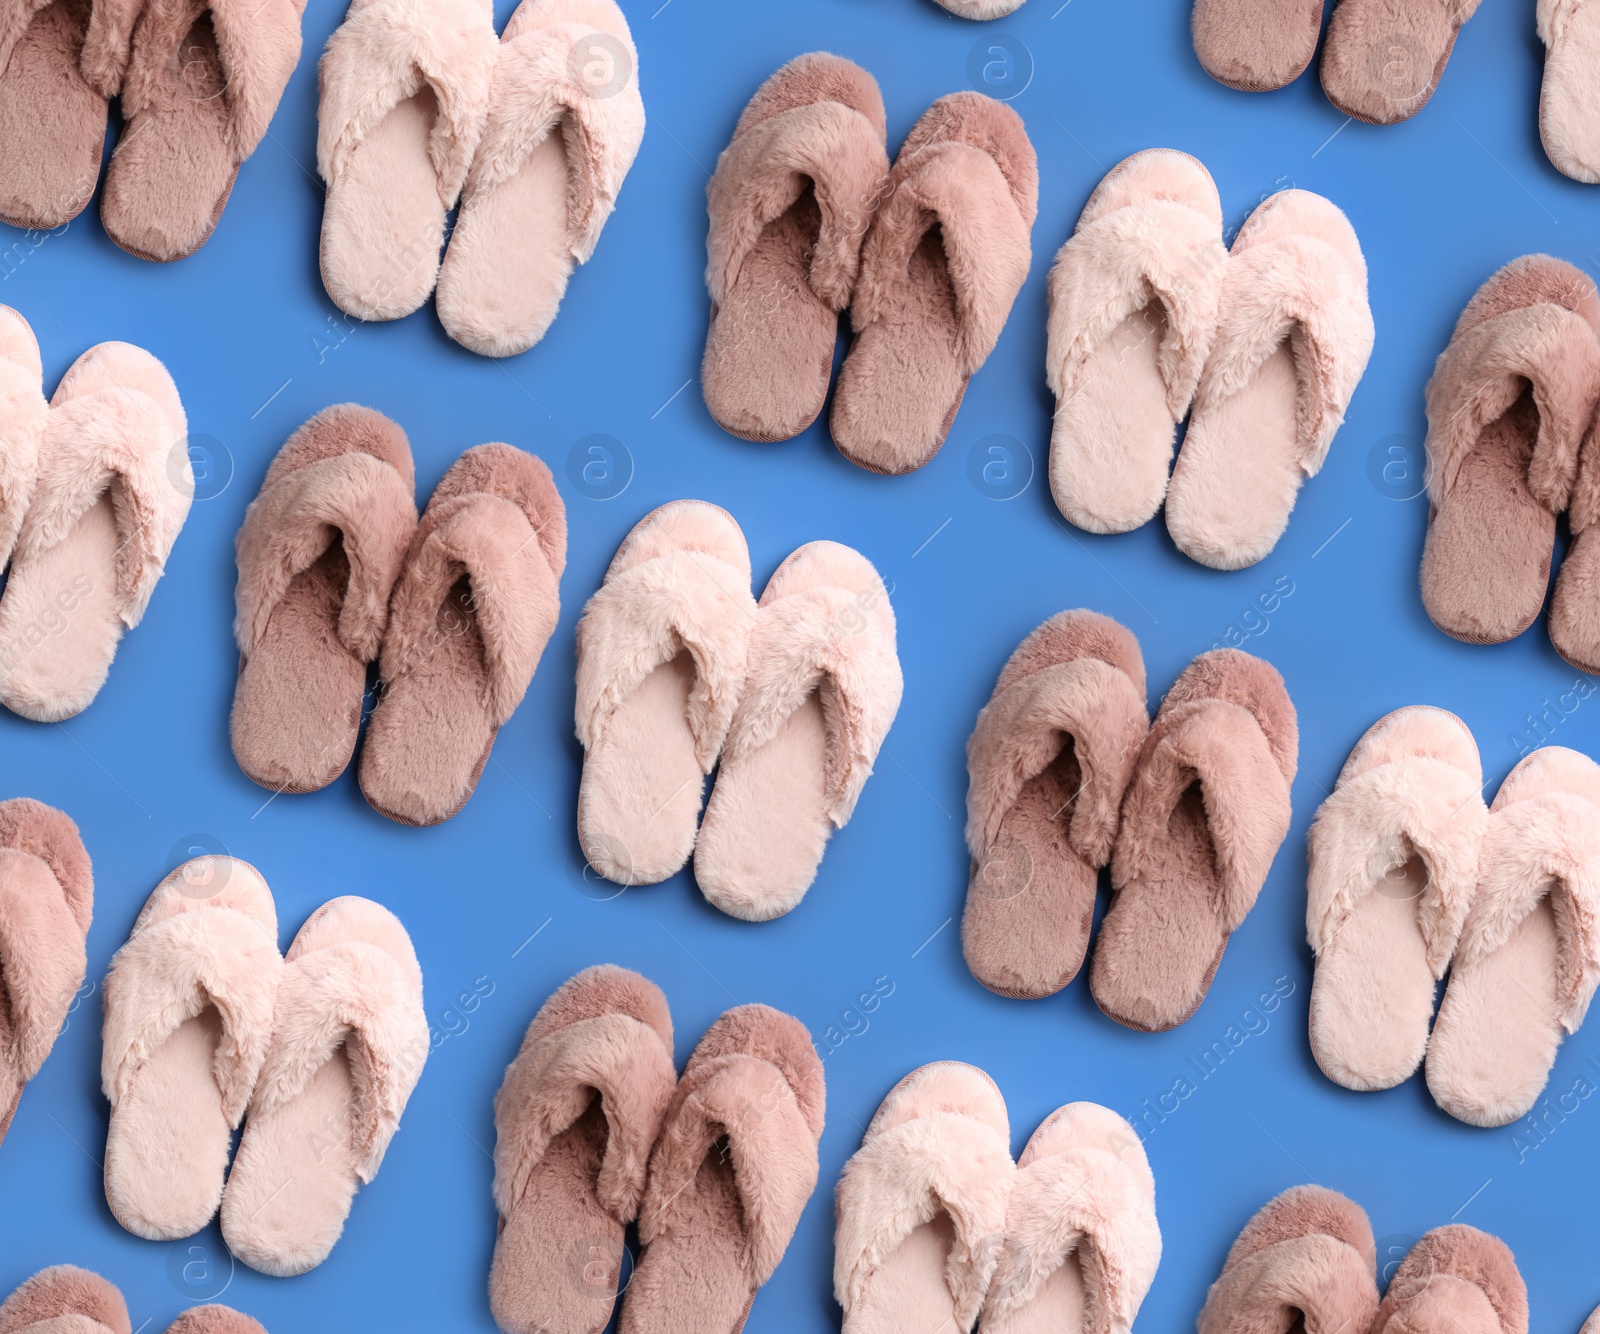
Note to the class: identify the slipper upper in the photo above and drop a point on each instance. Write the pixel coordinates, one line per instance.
(23, 413)
(65, 1299)
(1456, 1280)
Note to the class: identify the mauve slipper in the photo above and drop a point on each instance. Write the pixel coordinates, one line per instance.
(65, 1300)
(1569, 113)
(318, 554)
(23, 413)
(1133, 311)
(1508, 404)
(1529, 957)
(790, 202)
(662, 648)
(1574, 620)
(476, 602)
(947, 253)
(1047, 764)
(733, 1169)
(1456, 1280)
(215, 1320)
(1383, 58)
(1393, 869)
(1255, 45)
(1205, 813)
(1306, 1262)
(921, 1205)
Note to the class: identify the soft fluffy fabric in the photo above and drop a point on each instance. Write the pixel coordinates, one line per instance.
(64, 1299)
(22, 419)
(1569, 104)
(1456, 1280)
(1383, 58)
(1255, 46)
(981, 10)
(213, 1319)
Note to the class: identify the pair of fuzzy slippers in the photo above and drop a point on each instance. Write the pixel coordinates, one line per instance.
(94, 488)
(938, 1229)
(1067, 774)
(808, 217)
(67, 1300)
(1410, 875)
(336, 572)
(680, 669)
(1153, 319)
(204, 1020)
(422, 110)
(594, 1131)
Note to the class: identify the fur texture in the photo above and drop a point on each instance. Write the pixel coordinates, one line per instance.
(1569, 107)
(23, 413)
(1455, 1279)
(981, 10)
(213, 1319)
(1255, 46)
(64, 1299)
(1383, 58)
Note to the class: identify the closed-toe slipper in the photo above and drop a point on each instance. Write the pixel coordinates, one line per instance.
(188, 1016)
(1569, 112)
(318, 553)
(921, 1205)
(64, 1299)
(1508, 404)
(1255, 45)
(821, 689)
(662, 648)
(403, 95)
(1383, 58)
(734, 1166)
(1205, 812)
(214, 1319)
(476, 602)
(1529, 956)
(1456, 1280)
(1133, 310)
(1393, 868)
(1047, 765)
(46, 904)
(946, 256)
(349, 1039)
(575, 1119)
(564, 124)
(1306, 1261)
(1081, 1239)
(23, 413)
(1294, 332)
(113, 491)
(1574, 620)
(790, 202)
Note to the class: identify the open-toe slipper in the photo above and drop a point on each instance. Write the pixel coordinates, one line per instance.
(23, 413)
(65, 1300)
(1569, 111)
(1456, 1280)
(1382, 59)
(1255, 45)
(1574, 620)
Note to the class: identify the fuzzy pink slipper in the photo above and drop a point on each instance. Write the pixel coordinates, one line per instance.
(349, 1039)
(65, 1300)
(1592, 1324)
(1383, 58)
(734, 1166)
(575, 1120)
(214, 1320)
(921, 1205)
(1574, 621)
(790, 203)
(1294, 332)
(318, 553)
(23, 413)
(946, 256)
(1255, 45)
(46, 904)
(1569, 110)
(1047, 765)
(1393, 869)
(1133, 310)
(1456, 1280)
(821, 689)
(1509, 401)
(980, 10)
(476, 602)
(1205, 813)
(188, 1016)
(1306, 1261)
(1529, 957)
(564, 124)
(662, 649)
(403, 97)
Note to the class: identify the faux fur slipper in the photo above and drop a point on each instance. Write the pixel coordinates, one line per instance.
(1047, 765)
(1592, 1324)
(46, 904)
(1205, 813)
(921, 1205)
(1255, 45)
(1383, 58)
(821, 689)
(318, 554)
(947, 253)
(1529, 957)
(1393, 867)
(403, 97)
(1456, 1280)
(1133, 311)
(734, 1166)
(662, 649)
(790, 203)
(65, 1300)
(1574, 620)
(215, 1320)
(1294, 332)
(575, 1120)
(476, 602)
(564, 124)
(188, 1016)
(1306, 1261)
(23, 413)
(981, 9)
(349, 1039)
(1508, 404)
(1569, 112)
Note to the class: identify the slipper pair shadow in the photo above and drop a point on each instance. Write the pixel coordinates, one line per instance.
(204, 1021)
(680, 670)
(1066, 775)
(807, 218)
(594, 1131)
(64, 1299)
(336, 572)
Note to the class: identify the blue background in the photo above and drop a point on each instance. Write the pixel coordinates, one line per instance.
(495, 899)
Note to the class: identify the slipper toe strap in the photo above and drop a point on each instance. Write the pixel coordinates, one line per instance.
(258, 45)
(42, 960)
(1552, 17)
(22, 419)
(1324, 1278)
